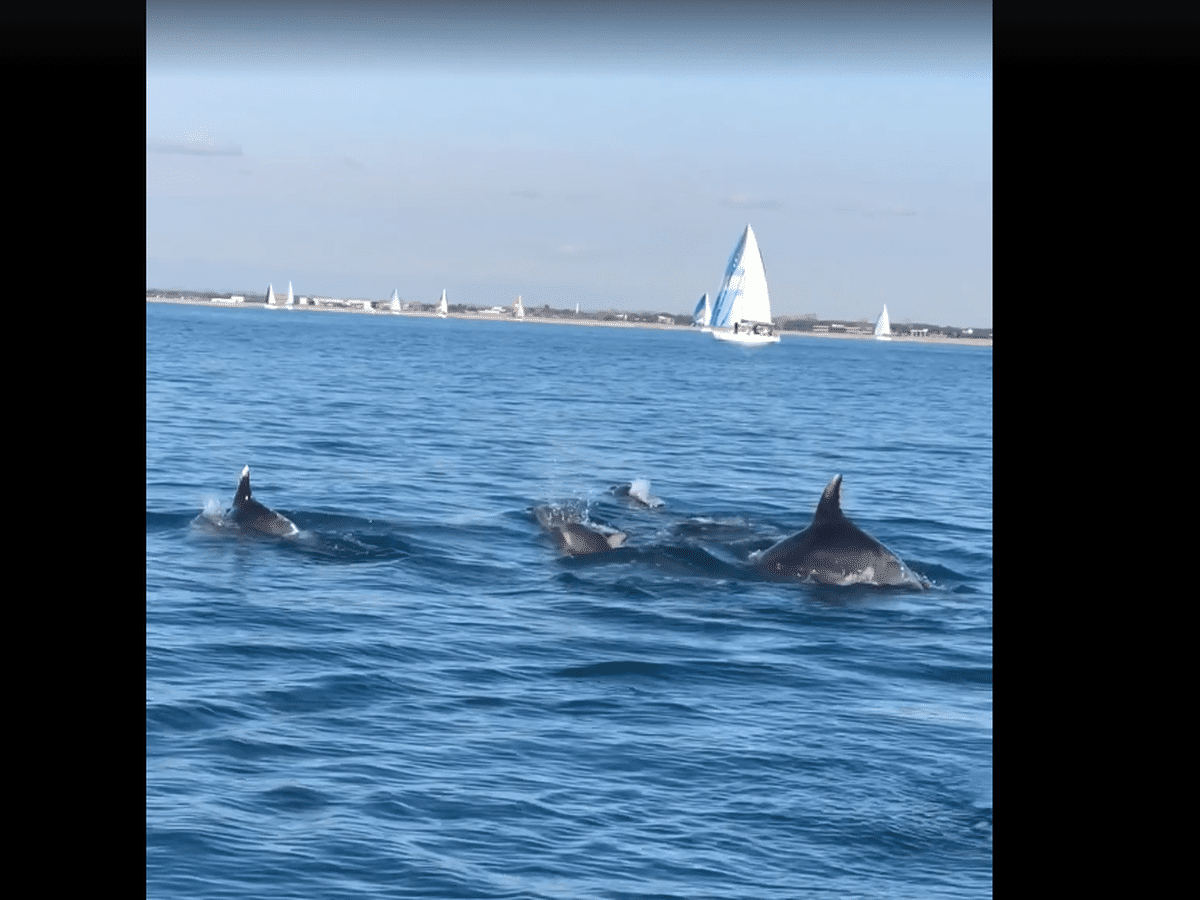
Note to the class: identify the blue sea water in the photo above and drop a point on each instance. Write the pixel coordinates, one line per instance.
(420, 698)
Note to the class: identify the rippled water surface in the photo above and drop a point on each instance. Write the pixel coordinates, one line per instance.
(419, 698)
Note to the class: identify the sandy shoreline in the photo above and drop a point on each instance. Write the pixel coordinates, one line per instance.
(787, 335)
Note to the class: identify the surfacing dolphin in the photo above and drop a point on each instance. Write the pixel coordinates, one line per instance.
(250, 514)
(833, 550)
(573, 537)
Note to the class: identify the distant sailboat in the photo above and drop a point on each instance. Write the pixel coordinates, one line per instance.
(883, 328)
(518, 308)
(742, 313)
(271, 295)
(396, 300)
(702, 316)
(442, 307)
(291, 300)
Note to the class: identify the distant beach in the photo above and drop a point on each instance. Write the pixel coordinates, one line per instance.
(506, 317)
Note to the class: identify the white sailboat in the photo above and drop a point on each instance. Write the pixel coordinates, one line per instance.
(395, 307)
(291, 300)
(742, 313)
(271, 295)
(443, 307)
(702, 315)
(518, 308)
(883, 327)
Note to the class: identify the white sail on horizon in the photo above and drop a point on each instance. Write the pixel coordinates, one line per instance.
(883, 327)
(271, 295)
(743, 296)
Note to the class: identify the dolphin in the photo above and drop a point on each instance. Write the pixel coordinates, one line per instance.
(833, 550)
(578, 540)
(252, 515)
(575, 538)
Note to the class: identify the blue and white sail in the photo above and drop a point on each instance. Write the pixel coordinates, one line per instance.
(291, 300)
(396, 300)
(743, 296)
(271, 295)
(702, 315)
(883, 327)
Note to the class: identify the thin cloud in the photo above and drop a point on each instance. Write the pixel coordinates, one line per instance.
(744, 201)
(875, 211)
(195, 143)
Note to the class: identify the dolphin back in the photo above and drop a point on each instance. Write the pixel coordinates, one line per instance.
(833, 550)
(249, 513)
(578, 540)
(571, 535)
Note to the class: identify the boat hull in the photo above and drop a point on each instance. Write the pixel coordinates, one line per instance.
(748, 338)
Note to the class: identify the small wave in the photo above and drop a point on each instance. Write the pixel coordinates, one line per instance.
(617, 667)
(156, 522)
(351, 547)
(293, 798)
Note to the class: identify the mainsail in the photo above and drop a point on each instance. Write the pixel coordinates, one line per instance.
(396, 300)
(442, 307)
(518, 308)
(702, 316)
(743, 296)
(291, 300)
(270, 295)
(883, 328)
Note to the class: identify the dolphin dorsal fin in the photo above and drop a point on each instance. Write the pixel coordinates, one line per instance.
(243, 490)
(830, 507)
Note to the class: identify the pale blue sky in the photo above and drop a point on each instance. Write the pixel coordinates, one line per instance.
(352, 152)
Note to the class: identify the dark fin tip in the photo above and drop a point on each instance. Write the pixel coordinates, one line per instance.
(831, 499)
(243, 488)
